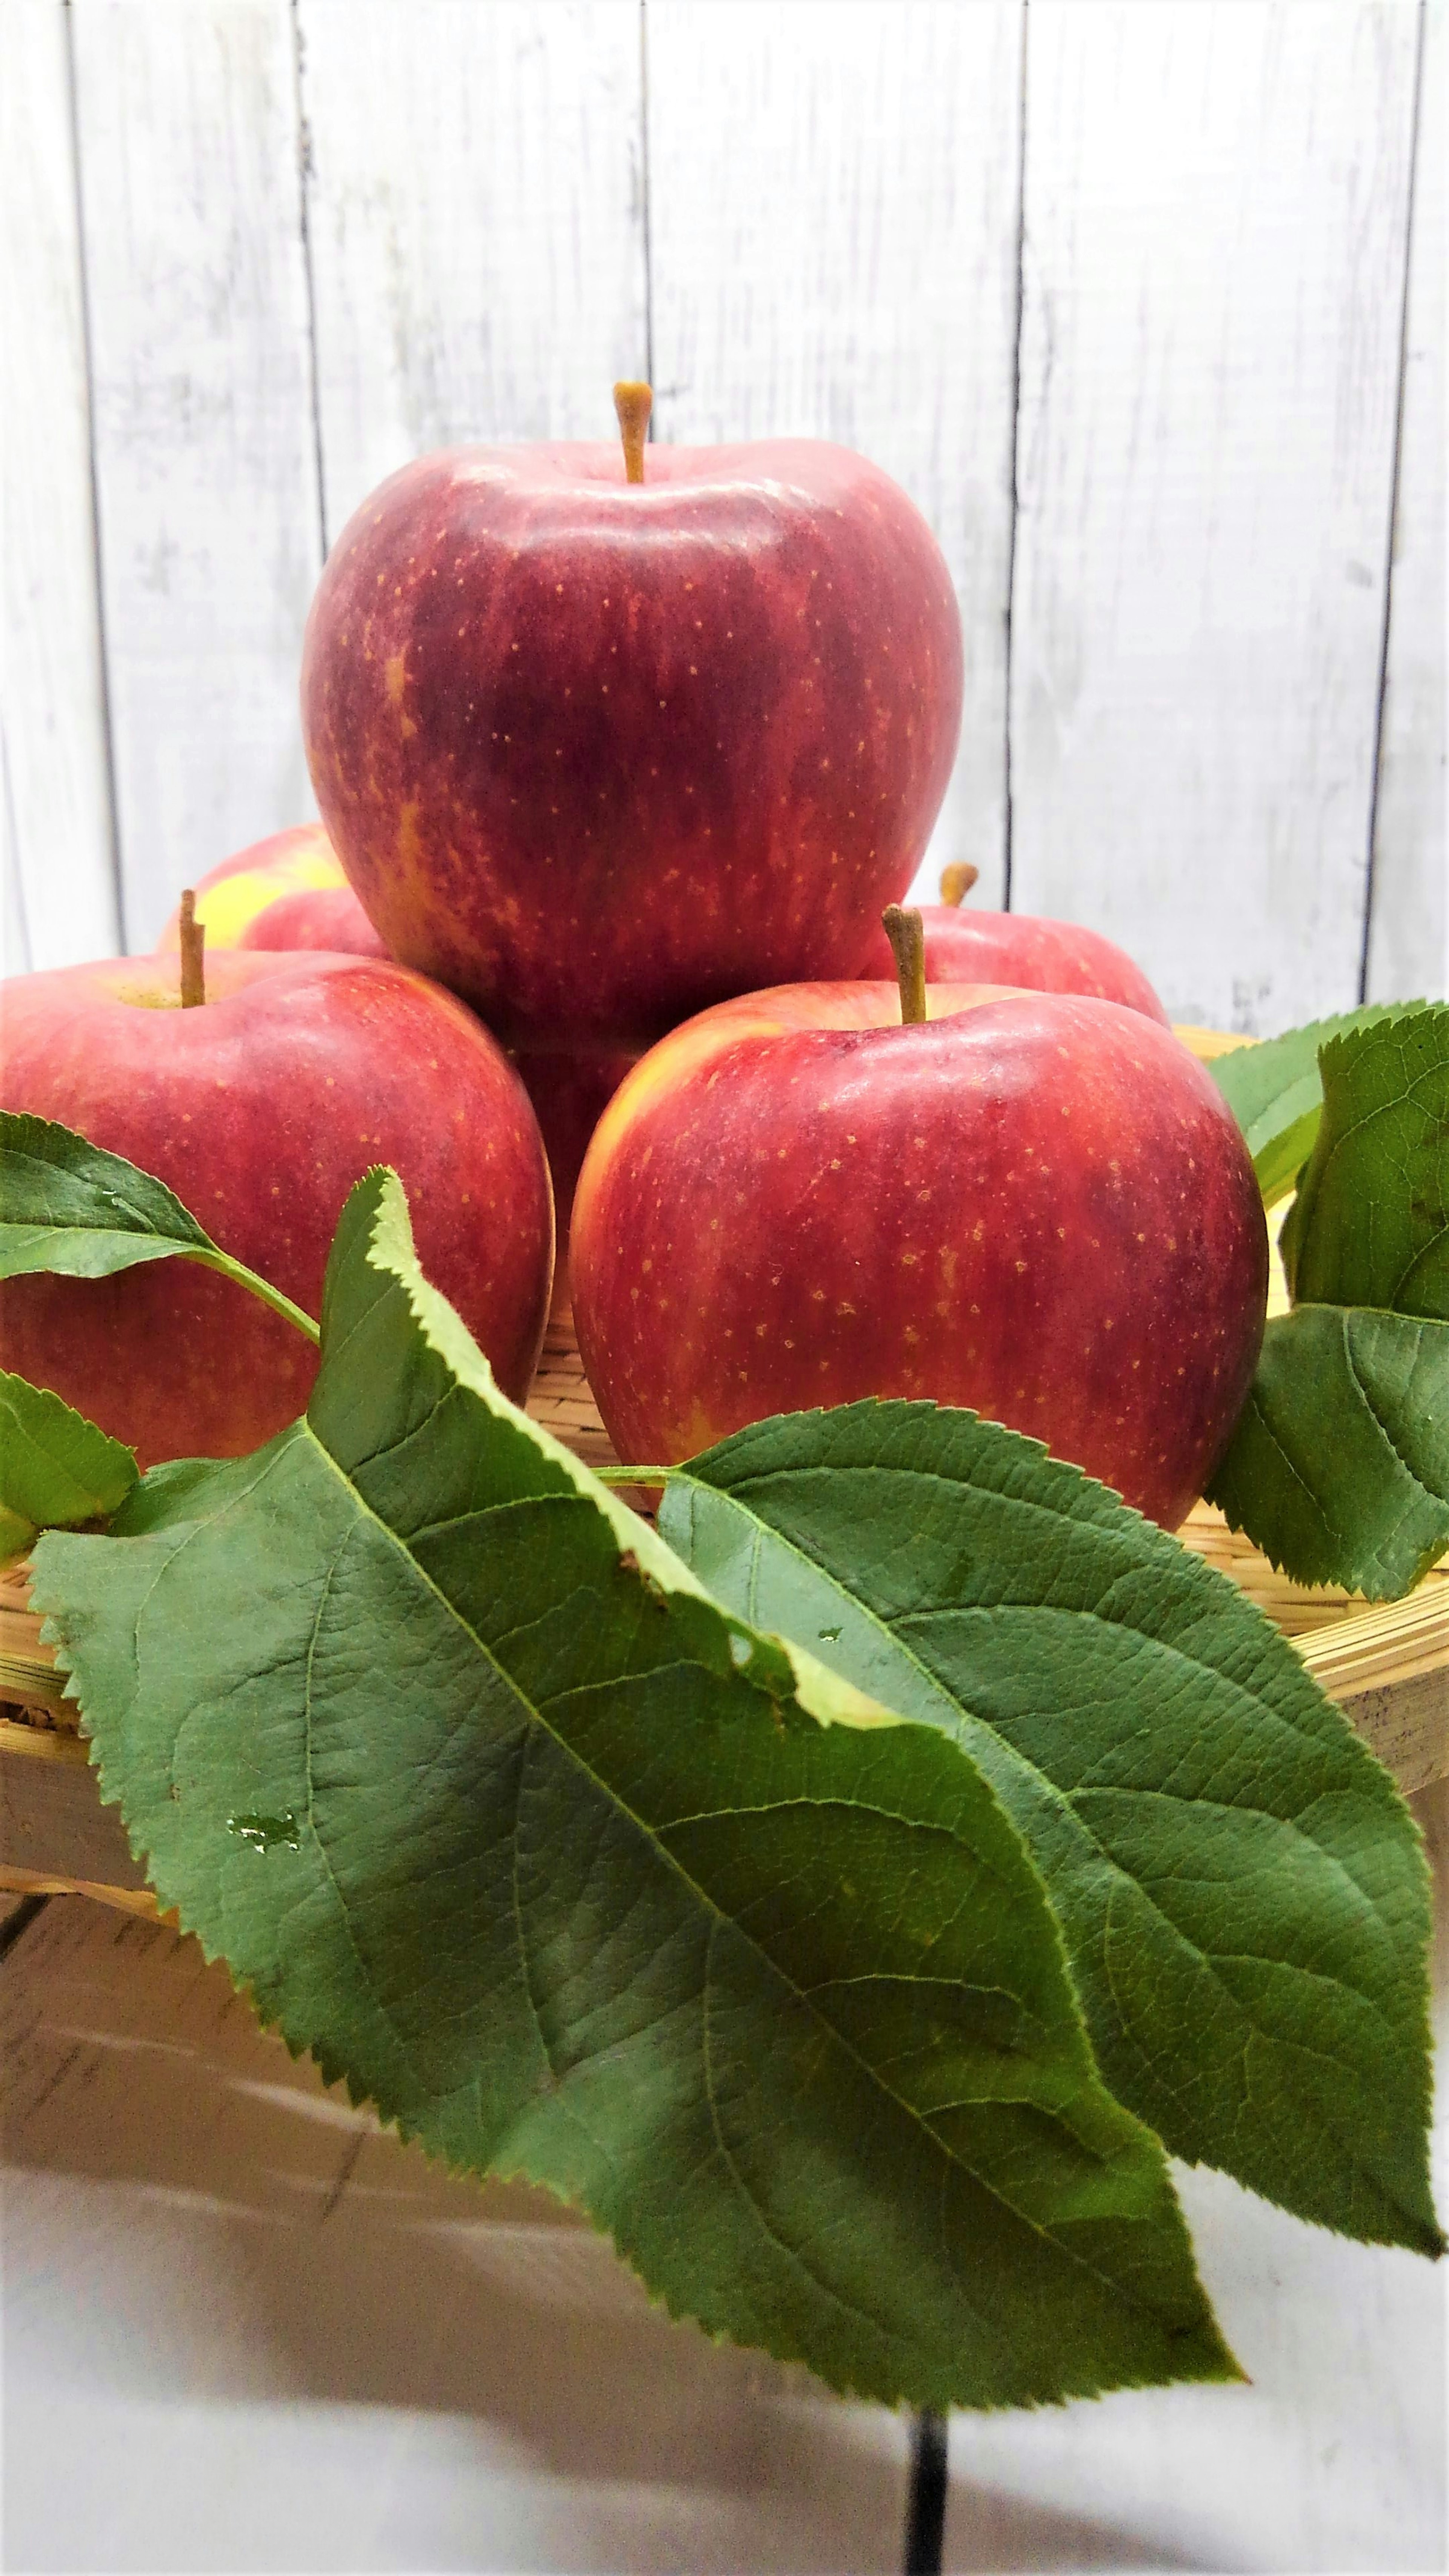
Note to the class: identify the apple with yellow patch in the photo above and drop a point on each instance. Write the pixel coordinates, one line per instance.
(260, 1107)
(1034, 1204)
(288, 891)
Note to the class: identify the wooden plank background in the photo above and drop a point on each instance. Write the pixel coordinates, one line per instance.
(1143, 305)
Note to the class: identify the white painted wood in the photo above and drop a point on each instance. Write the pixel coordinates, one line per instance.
(245, 2329)
(1409, 930)
(833, 217)
(15, 951)
(1215, 217)
(212, 2261)
(60, 883)
(1215, 232)
(1333, 2457)
(205, 465)
(476, 225)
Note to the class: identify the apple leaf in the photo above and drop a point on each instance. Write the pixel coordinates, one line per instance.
(1338, 1467)
(57, 1470)
(1370, 1224)
(1241, 1888)
(580, 1877)
(1275, 1094)
(67, 1205)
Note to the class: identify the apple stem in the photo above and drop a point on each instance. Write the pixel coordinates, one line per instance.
(907, 937)
(193, 943)
(957, 881)
(633, 403)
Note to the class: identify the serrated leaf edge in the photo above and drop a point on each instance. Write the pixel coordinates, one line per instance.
(1348, 1578)
(450, 1339)
(1198, 1572)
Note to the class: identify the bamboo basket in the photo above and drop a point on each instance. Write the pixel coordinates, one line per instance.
(1388, 1668)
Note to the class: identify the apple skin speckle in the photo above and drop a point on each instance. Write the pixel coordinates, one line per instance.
(1096, 1304)
(606, 680)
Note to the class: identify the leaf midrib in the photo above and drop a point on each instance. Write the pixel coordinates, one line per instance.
(1023, 1503)
(1066, 2252)
(1266, 2038)
(1374, 1414)
(1155, 1645)
(110, 1198)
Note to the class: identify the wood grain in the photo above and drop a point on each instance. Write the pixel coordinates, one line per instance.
(211, 2258)
(476, 225)
(203, 426)
(1408, 952)
(60, 874)
(832, 222)
(1215, 222)
(1215, 234)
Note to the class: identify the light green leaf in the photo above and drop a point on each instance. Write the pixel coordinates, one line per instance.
(66, 1205)
(1275, 1094)
(57, 1470)
(580, 1878)
(1241, 1887)
(1339, 1464)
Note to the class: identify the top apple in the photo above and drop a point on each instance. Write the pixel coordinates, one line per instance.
(596, 753)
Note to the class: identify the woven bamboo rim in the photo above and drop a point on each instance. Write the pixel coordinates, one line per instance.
(1387, 1666)
(1349, 1644)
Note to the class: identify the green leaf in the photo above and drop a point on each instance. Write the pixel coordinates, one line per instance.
(1370, 1224)
(57, 1470)
(580, 1878)
(66, 1205)
(1241, 1887)
(1275, 1094)
(1339, 1464)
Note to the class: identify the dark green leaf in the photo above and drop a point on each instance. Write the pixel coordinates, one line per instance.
(66, 1205)
(1339, 1464)
(1370, 1224)
(1241, 1887)
(1274, 1092)
(57, 1470)
(579, 1878)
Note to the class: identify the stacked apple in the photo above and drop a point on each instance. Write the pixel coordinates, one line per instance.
(1018, 948)
(1035, 1204)
(288, 891)
(260, 1107)
(602, 743)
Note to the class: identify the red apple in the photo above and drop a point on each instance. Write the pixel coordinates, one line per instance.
(595, 753)
(288, 891)
(261, 1108)
(1022, 949)
(1038, 1205)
